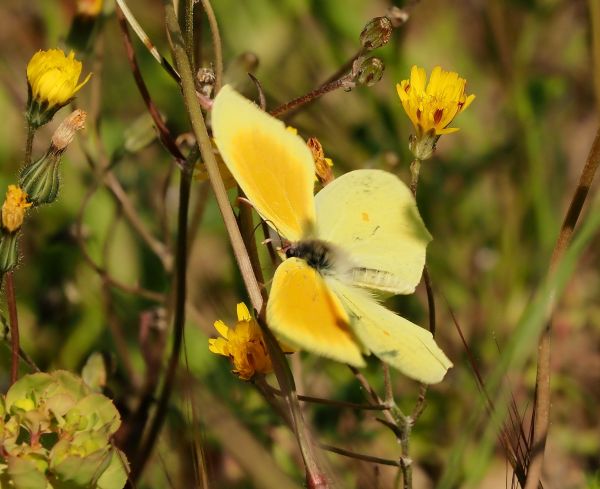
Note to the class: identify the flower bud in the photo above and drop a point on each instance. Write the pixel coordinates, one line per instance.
(206, 81)
(422, 147)
(9, 252)
(370, 72)
(65, 133)
(397, 16)
(376, 33)
(41, 179)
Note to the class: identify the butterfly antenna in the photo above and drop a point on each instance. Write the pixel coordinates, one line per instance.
(262, 101)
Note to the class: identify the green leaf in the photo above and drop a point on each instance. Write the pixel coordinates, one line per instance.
(25, 474)
(94, 372)
(27, 384)
(76, 471)
(70, 383)
(100, 412)
(115, 476)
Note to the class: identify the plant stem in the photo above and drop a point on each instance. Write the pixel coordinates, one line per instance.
(204, 143)
(359, 456)
(314, 473)
(29, 144)
(309, 97)
(542, 393)
(594, 8)
(10, 284)
(178, 323)
(14, 326)
(405, 460)
(415, 167)
(188, 30)
(216, 42)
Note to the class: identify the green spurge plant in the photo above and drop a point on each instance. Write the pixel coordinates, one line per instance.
(55, 432)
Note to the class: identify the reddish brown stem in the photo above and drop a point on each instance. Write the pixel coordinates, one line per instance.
(14, 327)
(309, 97)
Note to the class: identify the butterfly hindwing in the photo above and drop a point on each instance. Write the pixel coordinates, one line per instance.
(395, 340)
(372, 215)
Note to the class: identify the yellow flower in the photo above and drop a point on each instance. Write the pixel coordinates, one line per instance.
(89, 8)
(53, 80)
(243, 344)
(13, 209)
(323, 166)
(432, 107)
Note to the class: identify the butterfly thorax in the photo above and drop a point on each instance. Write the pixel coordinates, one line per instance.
(318, 254)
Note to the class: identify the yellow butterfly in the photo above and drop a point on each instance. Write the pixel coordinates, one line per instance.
(360, 233)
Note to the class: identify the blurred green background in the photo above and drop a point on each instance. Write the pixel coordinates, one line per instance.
(493, 197)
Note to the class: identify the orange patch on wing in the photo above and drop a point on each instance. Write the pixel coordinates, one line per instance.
(304, 312)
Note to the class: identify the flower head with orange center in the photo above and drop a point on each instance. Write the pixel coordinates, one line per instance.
(53, 80)
(433, 106)
(13, 209)
(243, 344)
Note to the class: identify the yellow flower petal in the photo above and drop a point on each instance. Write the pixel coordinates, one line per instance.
(53, 77)
(432, 106)
(244, 344)
(222, 328)
(218, 346)
(243, 314)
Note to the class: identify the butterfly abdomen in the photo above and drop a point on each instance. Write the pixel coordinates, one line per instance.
(378, 279)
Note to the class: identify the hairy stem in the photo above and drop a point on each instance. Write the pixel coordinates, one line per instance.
(29, 144)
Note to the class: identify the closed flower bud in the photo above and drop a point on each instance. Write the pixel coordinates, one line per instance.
(376, 33)
(9, 251)
(41, 179)
(53, 81)
(370, 72)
